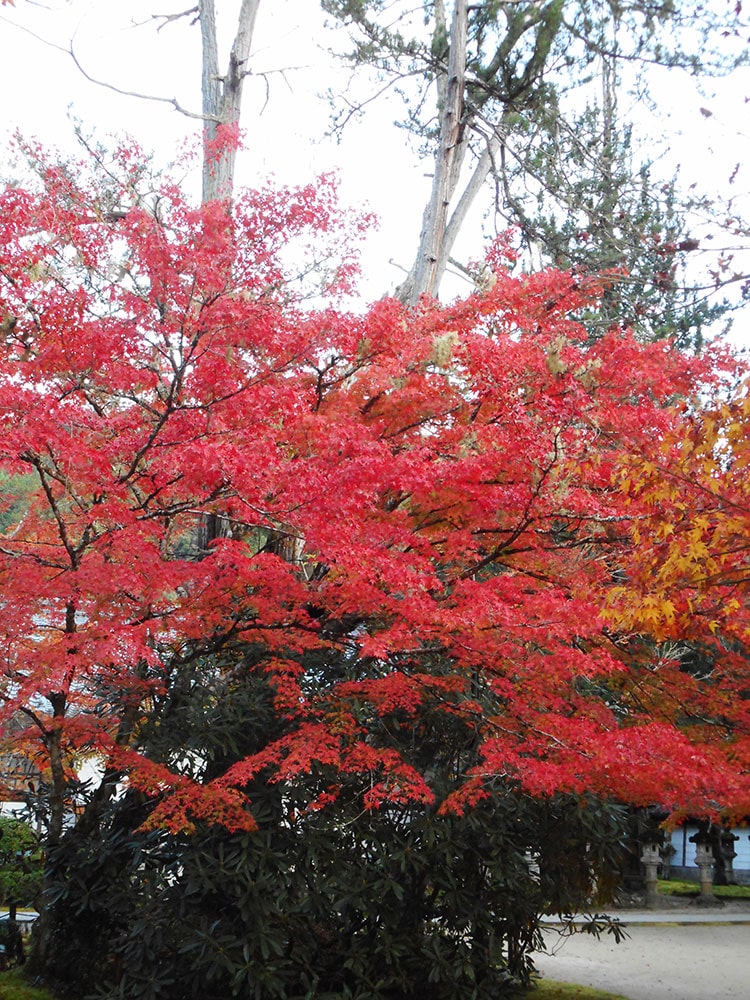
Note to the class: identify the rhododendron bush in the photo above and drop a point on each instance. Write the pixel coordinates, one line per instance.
(437, 499)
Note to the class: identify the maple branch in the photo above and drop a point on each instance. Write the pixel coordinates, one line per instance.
(31, 714)
(672, 473)
(428, 418)
(524, 523)
(33, 557)
(72, 550)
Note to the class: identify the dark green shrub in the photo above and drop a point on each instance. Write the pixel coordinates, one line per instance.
(339, 903)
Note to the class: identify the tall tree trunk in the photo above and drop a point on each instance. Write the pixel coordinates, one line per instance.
(45, 925)
(222, 104)
(222, 96)
(432, 255)
(506, 79)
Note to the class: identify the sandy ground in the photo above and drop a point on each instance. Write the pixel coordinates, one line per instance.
(657, 962)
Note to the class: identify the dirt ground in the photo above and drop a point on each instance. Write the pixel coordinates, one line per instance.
(658, 962)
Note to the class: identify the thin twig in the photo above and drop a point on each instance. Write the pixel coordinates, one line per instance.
(167, 18)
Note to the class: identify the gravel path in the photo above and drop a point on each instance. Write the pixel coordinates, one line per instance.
(657, 962)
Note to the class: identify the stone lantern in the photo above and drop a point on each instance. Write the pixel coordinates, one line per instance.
(704, 859)
(651, 859)
(727, 840)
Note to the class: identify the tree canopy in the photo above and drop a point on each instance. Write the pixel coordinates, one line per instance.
(364, 624)
(434, 586)
(436, 498)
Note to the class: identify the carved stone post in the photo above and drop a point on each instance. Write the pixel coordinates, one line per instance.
(651, 861)
(727, 841)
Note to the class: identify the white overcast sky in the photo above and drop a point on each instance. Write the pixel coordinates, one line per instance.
(284, 118)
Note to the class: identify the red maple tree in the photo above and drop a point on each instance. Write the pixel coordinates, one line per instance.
(436, 497)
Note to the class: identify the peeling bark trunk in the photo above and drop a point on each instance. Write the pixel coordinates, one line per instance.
(482, 171)
(222, 95)
(432, 256)
(502, 81)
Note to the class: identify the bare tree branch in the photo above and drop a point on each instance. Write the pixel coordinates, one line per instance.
(167, 18)
(132, 93)
(69, 51)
